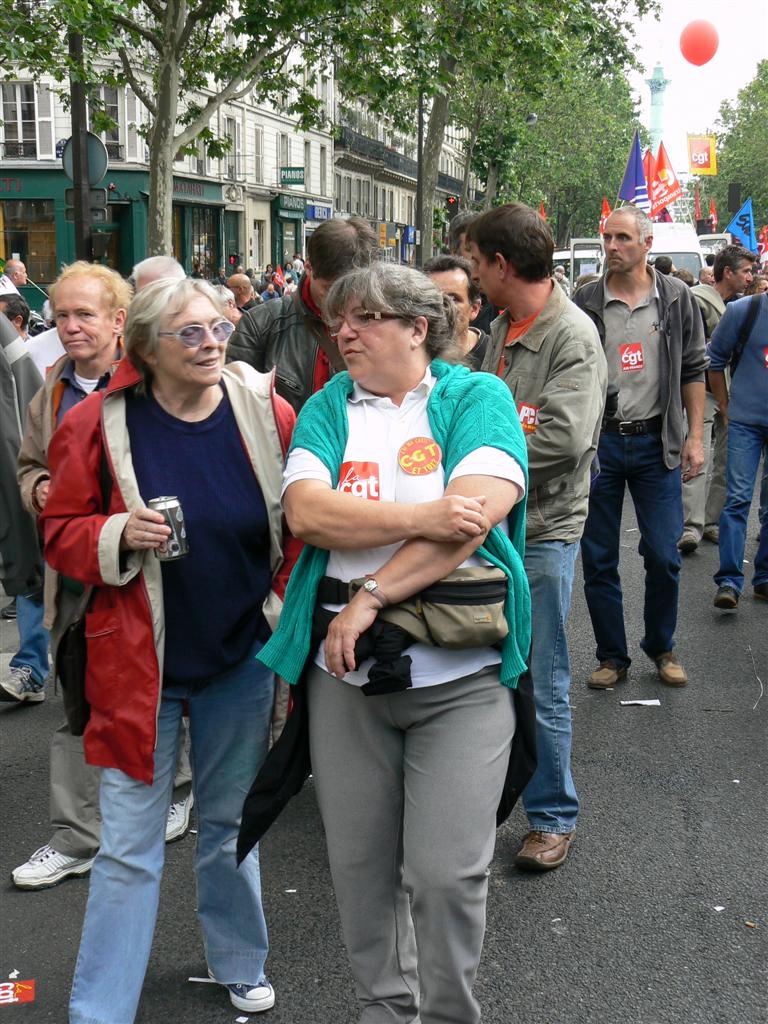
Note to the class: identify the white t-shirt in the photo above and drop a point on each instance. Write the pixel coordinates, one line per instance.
(85, 384)
(391, 456)
(45, 349)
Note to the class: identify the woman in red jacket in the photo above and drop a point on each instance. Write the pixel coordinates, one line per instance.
(164, 635)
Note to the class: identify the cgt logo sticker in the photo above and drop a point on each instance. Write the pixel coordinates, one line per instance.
(12, 992)
(419, 456)
(360, 479)
(529, 417)
(631, 356)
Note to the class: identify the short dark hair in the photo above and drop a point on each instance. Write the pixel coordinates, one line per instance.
(446, 262)
(520, 234)
(709, 259)
(16, 306)
(457, 228)
(685, 276)
(731, 256)
(663, 264)
(339, 246)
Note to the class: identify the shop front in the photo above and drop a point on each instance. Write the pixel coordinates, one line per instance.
(288, 213)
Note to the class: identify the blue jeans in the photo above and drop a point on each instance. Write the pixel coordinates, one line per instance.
(229, 728)
(550, 797)
(33, 638)
(746, 445)
(638, 463)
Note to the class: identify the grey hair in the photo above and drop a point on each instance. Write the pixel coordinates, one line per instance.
(226, 294)
(391, 288)
(643, 222)
(156, 268)
(155, 305)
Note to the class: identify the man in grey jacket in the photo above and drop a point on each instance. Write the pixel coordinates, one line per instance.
(654, 342)
(550, 356)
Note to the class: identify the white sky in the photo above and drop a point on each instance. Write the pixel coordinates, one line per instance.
(692, 100)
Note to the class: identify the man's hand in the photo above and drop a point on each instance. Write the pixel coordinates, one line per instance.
(144, 529)
(344, 630)
(692, 460)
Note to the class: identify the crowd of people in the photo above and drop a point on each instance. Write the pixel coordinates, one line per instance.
(384, 480)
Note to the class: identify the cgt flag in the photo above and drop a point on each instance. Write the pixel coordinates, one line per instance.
(665, 188)
(634, 188)
(742, 227)
(542, 210)
(713, 215)
(702, 154)
(605, 213)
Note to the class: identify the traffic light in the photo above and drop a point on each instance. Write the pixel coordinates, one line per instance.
(452, 206)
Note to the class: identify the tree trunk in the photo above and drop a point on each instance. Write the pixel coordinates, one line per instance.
(162, 136)
(491, 184)
(474, 131)
(433, 144)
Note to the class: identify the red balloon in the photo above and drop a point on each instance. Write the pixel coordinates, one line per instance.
(698, 42)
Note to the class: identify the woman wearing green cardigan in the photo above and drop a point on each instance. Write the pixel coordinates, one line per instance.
(402, 470)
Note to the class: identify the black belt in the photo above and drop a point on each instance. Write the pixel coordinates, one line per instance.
(332, 591)
(630, 428)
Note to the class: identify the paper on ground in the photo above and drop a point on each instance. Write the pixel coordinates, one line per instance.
(655, 703)
(204, 981)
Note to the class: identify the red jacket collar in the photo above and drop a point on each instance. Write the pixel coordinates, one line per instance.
(125, 376)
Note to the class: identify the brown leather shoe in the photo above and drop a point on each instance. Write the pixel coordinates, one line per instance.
(606, 676)
(671, 672)
(542, 851)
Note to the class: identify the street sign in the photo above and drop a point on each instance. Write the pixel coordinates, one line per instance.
(98, 215)
(98, 197)
(291, 175)
(98, 159)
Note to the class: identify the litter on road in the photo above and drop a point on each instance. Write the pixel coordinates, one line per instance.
(654, 703)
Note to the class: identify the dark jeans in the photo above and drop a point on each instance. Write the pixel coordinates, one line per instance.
(657, 496)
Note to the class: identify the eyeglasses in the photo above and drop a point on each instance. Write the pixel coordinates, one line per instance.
(193, 335)
(359, 319)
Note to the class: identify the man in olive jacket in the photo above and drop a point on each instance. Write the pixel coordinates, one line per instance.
(289, 333)
(550, 356)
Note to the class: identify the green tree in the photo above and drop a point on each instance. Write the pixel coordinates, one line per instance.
(574, 154)
(742, 145)
(432, 50)
(184, 59)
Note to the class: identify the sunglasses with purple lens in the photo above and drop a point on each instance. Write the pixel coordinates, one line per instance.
(193, 335)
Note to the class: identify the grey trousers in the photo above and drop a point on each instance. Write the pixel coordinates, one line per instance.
(408, 785)
(704, 495)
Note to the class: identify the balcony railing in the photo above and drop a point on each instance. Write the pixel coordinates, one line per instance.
(375, 150)
(19, 150)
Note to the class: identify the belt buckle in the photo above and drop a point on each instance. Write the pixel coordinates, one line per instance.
(627, 428)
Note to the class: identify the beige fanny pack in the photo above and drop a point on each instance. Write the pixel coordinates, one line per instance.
(464, 609)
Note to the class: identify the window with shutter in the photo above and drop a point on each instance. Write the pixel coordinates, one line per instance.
(258, 170)
(239, 150)
(45, 140)
(131, 125)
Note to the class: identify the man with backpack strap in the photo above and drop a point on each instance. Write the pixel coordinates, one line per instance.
(742, 332)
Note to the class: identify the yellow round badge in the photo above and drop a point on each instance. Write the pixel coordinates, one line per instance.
(419, 456)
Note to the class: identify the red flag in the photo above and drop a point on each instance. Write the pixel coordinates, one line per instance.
(649, 166)
(542, 211)
(697, 211)
(605, 213)
(713, 214)
(277, 277)
(666, 187)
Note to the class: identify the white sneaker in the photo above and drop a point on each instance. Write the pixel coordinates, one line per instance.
(177, 824)
(251, 998)
(20, 686)
(46, 867)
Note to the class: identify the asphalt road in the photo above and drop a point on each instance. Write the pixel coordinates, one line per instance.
(660, 915)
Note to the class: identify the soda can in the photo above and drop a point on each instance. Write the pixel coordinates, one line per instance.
(177, 545)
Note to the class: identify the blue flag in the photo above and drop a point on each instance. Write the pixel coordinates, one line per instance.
(742, 227)
(634, 188)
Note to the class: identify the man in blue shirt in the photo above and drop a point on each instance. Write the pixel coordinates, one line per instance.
(746, 413)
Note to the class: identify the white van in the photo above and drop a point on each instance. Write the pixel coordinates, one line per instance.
(585, 256)
(681, 243)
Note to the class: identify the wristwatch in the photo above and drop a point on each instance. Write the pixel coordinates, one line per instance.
(372, 587)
